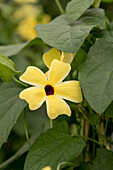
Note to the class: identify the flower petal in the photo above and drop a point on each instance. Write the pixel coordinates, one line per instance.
(49, 56)
(34, 76)
(35, 96)
(56, 106)
(46, 74)
(58, 71)
(67, 57)
(69, 90)
(46, 168)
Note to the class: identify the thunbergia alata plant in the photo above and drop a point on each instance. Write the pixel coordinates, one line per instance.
(72, 75)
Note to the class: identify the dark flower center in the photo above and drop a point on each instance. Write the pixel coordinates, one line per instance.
(49, 90)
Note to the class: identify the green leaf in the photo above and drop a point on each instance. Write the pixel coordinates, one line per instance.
(9, 50)
(109, 111)
(82, 52)
(94, 119)
(10, 108)
(104, 160)
(76, 8)
(79, 57)
(34, 120)
(22, 150)
(7, 68)
(62, 35)
(52, 147)
(21, 61)
(96, 75)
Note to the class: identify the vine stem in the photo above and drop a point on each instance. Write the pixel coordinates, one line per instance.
(26, 132)
(85, 117)
(96, 128)
(59, 6)
(98, 132)
(93, 140)
(83, 111)
(93, 151)
(19, 82)
(51, 123)
(105, 129)
(97, 3)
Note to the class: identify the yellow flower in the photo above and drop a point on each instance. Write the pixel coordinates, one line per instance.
(49, 56)
(28, 16)
(26, 11)
(26, 28)
(51, 89)
(25, 1)
(47, 168)
(108, 147)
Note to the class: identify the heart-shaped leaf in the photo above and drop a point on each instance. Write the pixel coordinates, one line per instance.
(64, 36)
(96, 74)
(104, 160)
(10, 108)
(54, 146)
(76, 8)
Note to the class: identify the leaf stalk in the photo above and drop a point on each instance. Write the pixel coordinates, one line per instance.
(59, 6)
(25, 127)
(97, 3)
(19, 82)
(51, 123)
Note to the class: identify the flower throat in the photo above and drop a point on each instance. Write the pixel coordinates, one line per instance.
(49, 90)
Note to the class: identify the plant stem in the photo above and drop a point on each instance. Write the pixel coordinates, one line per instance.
(98, 132)
(97, 129)
(84, 115)
(26, 132)
(51, 123)
(59, 6)
(93, 151)
(105, 129)
(97, 3)
(93, 140)
(19, 82)
(77, 60)
(83, 111)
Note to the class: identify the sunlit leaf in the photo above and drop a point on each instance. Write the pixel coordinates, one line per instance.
(7, 68)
